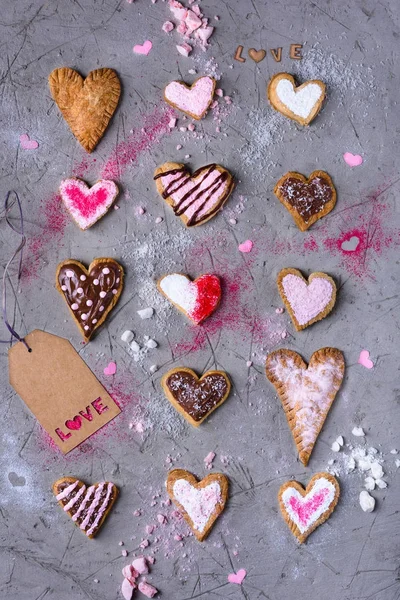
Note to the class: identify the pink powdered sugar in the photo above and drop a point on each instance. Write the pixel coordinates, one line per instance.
(86, 204)
(198, 503)
(194, 100)
(305, 510)
(307, 301)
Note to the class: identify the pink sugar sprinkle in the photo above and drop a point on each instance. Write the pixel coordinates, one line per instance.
(279, 310)
(219, 92)
(144, 544)
(148, 590)
(162, 519)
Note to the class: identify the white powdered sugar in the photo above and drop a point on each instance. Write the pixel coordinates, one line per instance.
(301, 102)
(305, 511)
(179, 290)
(198, 503)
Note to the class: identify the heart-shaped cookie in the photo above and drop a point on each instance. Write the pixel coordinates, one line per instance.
(307, 200)
(194, 100)
(302, 103)
(87, 204)
(194, 198)
(306, 392)
(305, 509)
(195, 398)
(200, 502)
(86, 104)
(90, 294)
(87, 507)
(196, 299)
(257, 55)
(307, 301)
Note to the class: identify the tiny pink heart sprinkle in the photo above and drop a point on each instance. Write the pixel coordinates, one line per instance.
(247, 246)
(353, 160)
(26, 143)
(237, 577)
(365, 360)
(110, 369)
(144, 49)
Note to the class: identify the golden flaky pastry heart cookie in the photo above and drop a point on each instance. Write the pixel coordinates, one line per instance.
(306, 392)
(199, 502)
(302, 103)
(86, 104)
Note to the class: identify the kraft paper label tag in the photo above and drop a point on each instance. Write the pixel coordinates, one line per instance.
(59, 388)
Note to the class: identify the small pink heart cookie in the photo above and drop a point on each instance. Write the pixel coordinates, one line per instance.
(144, 48)
(305, 509)
(87, 204)
(193, 100)
(307, 301)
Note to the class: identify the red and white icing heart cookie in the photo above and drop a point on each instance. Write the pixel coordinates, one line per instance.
(194, 198)
(193, 100)
(306, 301)
(200, 502)
(87, 204)
(305, 509)
(197, 299)
(88, 507)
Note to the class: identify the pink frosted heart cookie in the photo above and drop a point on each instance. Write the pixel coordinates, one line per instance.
(307, 301)
(193, 100)
(194, 198)
(305, 509)
(87, 204)
(196, 299)
(200, 502)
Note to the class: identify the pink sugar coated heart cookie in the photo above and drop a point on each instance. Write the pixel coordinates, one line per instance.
(110, 369)
(353, 160)
(237, 577)
(365, 360)
(26, 143)
(197, 299)
(193, 100)
(144, 48)
(246, 246)
(87, 204)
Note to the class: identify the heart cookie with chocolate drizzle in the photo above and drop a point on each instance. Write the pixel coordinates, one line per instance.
(90, 293)
(195, 398)
(194, 198)
(88, 507)
(307, 200)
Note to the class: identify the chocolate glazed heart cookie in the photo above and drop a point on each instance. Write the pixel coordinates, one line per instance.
(90, 294)
(196, 398)
(307, 200)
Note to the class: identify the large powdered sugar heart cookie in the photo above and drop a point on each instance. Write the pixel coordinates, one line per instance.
(193, 100)
(197, 299)
(86, 104)
(195, 398)
(305, 509)
(87, 204)
(90, 293)
(200, 502)
(306, 301)
(307, 200)
(306, 392)
(194, 198)
(88, 507)
(302, 104)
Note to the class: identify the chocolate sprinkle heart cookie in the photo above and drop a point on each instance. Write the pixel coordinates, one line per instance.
(195, 398)
(90, 293)
(307, 200)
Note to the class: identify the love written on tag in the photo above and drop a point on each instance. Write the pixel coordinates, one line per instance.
(59, 388)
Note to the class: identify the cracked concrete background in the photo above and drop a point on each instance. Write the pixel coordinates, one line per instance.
(354, 48)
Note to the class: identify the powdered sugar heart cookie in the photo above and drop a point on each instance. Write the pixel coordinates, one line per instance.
(200, 502)
(306, 392)
(197, 299)
(307, 200)
(194, 198)
(307, 301)
(87, 507)
(302, 103)
(87, 204)
(90, 293)
(305, 509)
(195, 398)
(193, 100)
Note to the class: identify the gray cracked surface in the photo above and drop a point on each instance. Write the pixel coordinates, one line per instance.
(353, 46)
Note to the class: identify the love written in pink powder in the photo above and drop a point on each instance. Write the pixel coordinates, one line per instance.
(305, 510)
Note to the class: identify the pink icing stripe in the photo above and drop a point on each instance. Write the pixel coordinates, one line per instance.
(85, 501)
(75, 499)
(305, 510)
(67, 491)
(93, 506)
(102, 509)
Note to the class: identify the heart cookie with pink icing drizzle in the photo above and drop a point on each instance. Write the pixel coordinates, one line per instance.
(305, 509)
(194, 198)
(306, 391)
(88, 507)
(199, 502)
(87, 204)
(307, 301)
(193, 100)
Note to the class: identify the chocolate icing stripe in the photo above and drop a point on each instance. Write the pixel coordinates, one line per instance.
(177, 206)
(221, 179)
(171, 172)
(75, 499)
(216, 207)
